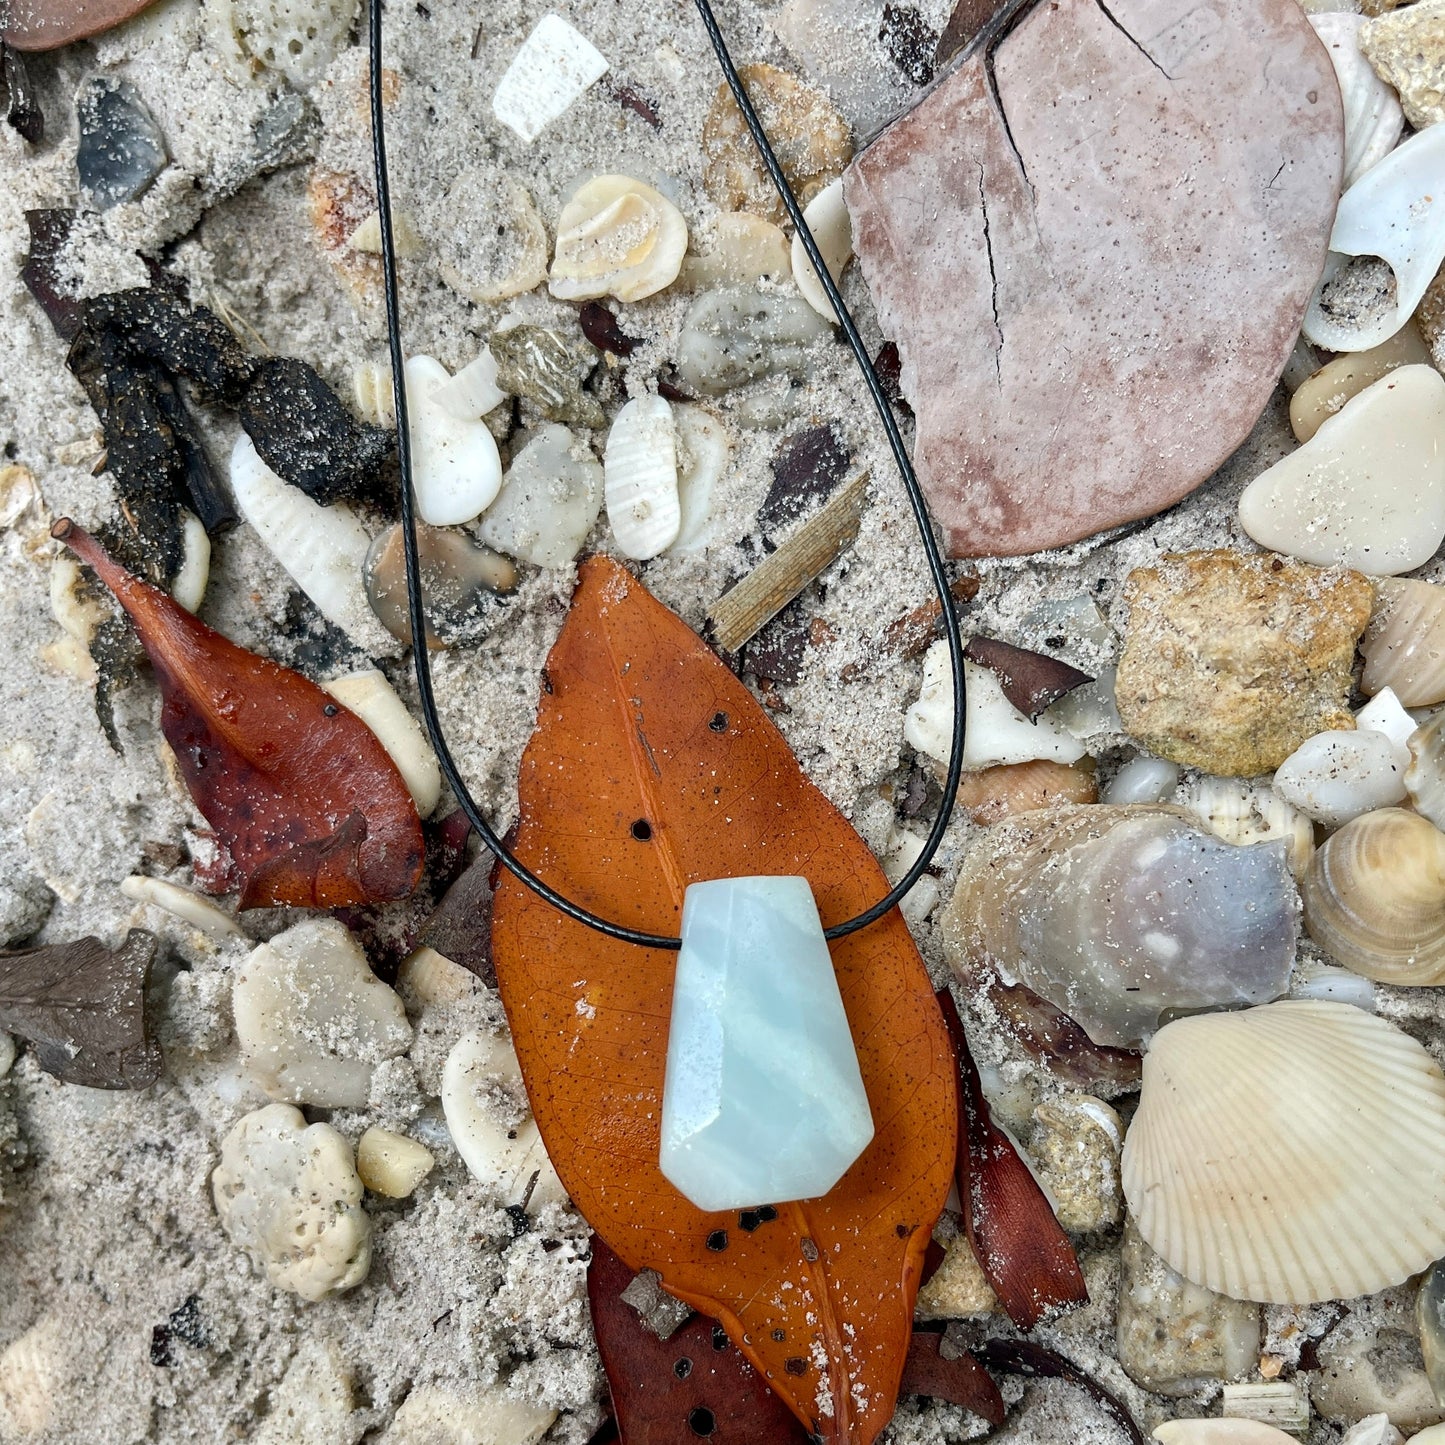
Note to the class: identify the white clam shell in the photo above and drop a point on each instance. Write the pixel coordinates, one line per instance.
(1425, 777)
(703, 450)
(190, 907)
(1220, 1432)
(373, 699)
(1338, 775)
(456, 468)
(832, 229)
(617, 237)
(549, 501)
(640, 478)
(1396, 211)
(1289, 1153)
(1373, 118)
(554, 66)
(322, 548)
(1404, 645)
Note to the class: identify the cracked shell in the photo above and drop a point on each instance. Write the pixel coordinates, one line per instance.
(617, 237)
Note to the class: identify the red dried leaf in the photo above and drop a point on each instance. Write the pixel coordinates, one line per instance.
(1030, 681)
(674, 1391)
(1023, 1252)
(48, 24)
(307, 801)
(960, 1381)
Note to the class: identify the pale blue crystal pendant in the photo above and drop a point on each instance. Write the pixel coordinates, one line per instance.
(763, 1100)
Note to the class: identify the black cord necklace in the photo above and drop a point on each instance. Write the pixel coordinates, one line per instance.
(416, 606)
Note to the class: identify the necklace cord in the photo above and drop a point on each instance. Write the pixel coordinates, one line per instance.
(416, 604)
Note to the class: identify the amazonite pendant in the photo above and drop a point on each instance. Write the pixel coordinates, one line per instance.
(763, 1100)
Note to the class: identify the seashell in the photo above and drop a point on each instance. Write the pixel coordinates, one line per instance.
(904, 846)
(743, 610)
(1384, 714)
(120, 149)
(1425, 776)
(367, 236)
(295, 38)
(1431, 1435)
(1395, 211)
(1323, 1127)
(371, 390)
(1077, 620)
(810, 139)
(459, 580)
(457, 470)
(427, 978)
(995, 731)
(740, 334)
(1284, 1404)
(1219, 1432)
(1374, 898)
(832, 229)
(1335, 776)
(1243, 812)
(703, 451)
(1143, 780)
(745, 249)
(188, 587)
(549, 501)
(996, 793)
(323, 549)
(19, 493)
(1326, 390)
(505, 256)
(1090, 710)
(190, 907)
(554, 66)
(640, 478)
(473, 391)
(460, 1415)
(1121, 916)
(1404, 645)
(74, 602)
(617, 237)
(373, 699)
(547, 368)
(1373, 1430)
(33, 1369)
(390, 1164)
(1430, 1321)
(504, 1152)
(1373, 117)
(1338, 985)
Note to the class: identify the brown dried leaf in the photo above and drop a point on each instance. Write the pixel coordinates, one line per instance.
(1030, 680)
(960, 1381)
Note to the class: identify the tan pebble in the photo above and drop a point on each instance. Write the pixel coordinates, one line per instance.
(391, 1164)
(743, 249)
(1407, 49)
(1324, 393)
(1430, 317)
(998, 793)
(467, 1415)
(958, 1287)
(367, 236)
(67, 656)
(810, 137)
(1270, 1366)
(1231, 661)
(1076, 1144)
(427, 977)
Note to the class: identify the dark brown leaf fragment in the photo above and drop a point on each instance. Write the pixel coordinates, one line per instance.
(460, 928)
(631, 99)
(81, 1006)
(960, 1380)
(1024, 1357)
(601, 327)
(22, 104)
(909, 40)
(49, 231)
(1030, 680)
(806, 469)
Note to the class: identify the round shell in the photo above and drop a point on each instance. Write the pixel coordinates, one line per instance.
(1374, 897)
(1289, 1153)
(617, 237)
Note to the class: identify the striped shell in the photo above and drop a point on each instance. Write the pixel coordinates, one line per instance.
(1289, 1153)
(1374, 897)
(1404, 645)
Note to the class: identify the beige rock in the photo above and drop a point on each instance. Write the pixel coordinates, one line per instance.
(1407, 49)
(1370, 1364)
(390, 1163)
(1320, 396)
(1231, 661)
(810, 137)
(1075, 1146)
(958, 1287)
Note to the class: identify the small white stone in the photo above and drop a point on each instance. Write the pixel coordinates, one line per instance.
(391, 1164)
(427, 978)
(1220, 1432)
(1373, 1430)
(1433, 1435)
(832, 229)
(456, 468)
(1143, 780)
(1384, 714)
(312, 1018)
(438, 1415)
(904, 846)
(549, 500)
(288, 1195)
(1335, 776)
(554, 66)
(374, 700)
(191, 907)
(482, 1096)
(640, 478)
(703, 450)
(473, 391)
(1368, 489)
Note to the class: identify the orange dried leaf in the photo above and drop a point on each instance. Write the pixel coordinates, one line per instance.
(642, 724)
(309, 803)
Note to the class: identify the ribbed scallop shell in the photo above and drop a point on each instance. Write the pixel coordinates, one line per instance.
(1374, 897)
(1289, 1153)
(639, 470)
(1404, 645)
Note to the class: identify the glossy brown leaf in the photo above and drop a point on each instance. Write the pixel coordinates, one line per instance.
(1023, 1252)
(47, 24)
(1030, 680)
(81, 1006)
(960, 1381)
(694, 1384)
(306, 800)
(639, 720)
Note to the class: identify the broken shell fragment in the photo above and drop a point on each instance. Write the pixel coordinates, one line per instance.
(1373, 117)
(617, 237)
(549, 501)
(367, 236)
(1374, 898)
(188, 587)
(460, 582)
(297, 39)
(1325, 391)
(473, 391)
(1143, 780)
(1123, 916)
(372, 392)
(373, 699)
(1404, 645)
(504, 254)
(640, 475)
(996, 793)
(547, 369)
(1283, 1100)
(181, 903)
(1338, 775)
(456, 468)
(744, 249)
(1243, 812)
(741, 334)
(391, 1164)
(1220, 1432)
(827, 218)
(703, 450)
(1425, 776)
(553, 68)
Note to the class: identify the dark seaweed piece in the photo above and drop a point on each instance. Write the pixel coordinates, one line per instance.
(208, 501)
(638, 104)
(81, 1006)
(1030, 681)
(49, 231)
(117, 656)
(807, 467)
(776, 653)
(307, 437)
(121, 149)
(601, 327)
(1024, 1357)
(909, 40)
(22, 104)
(192, 341)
